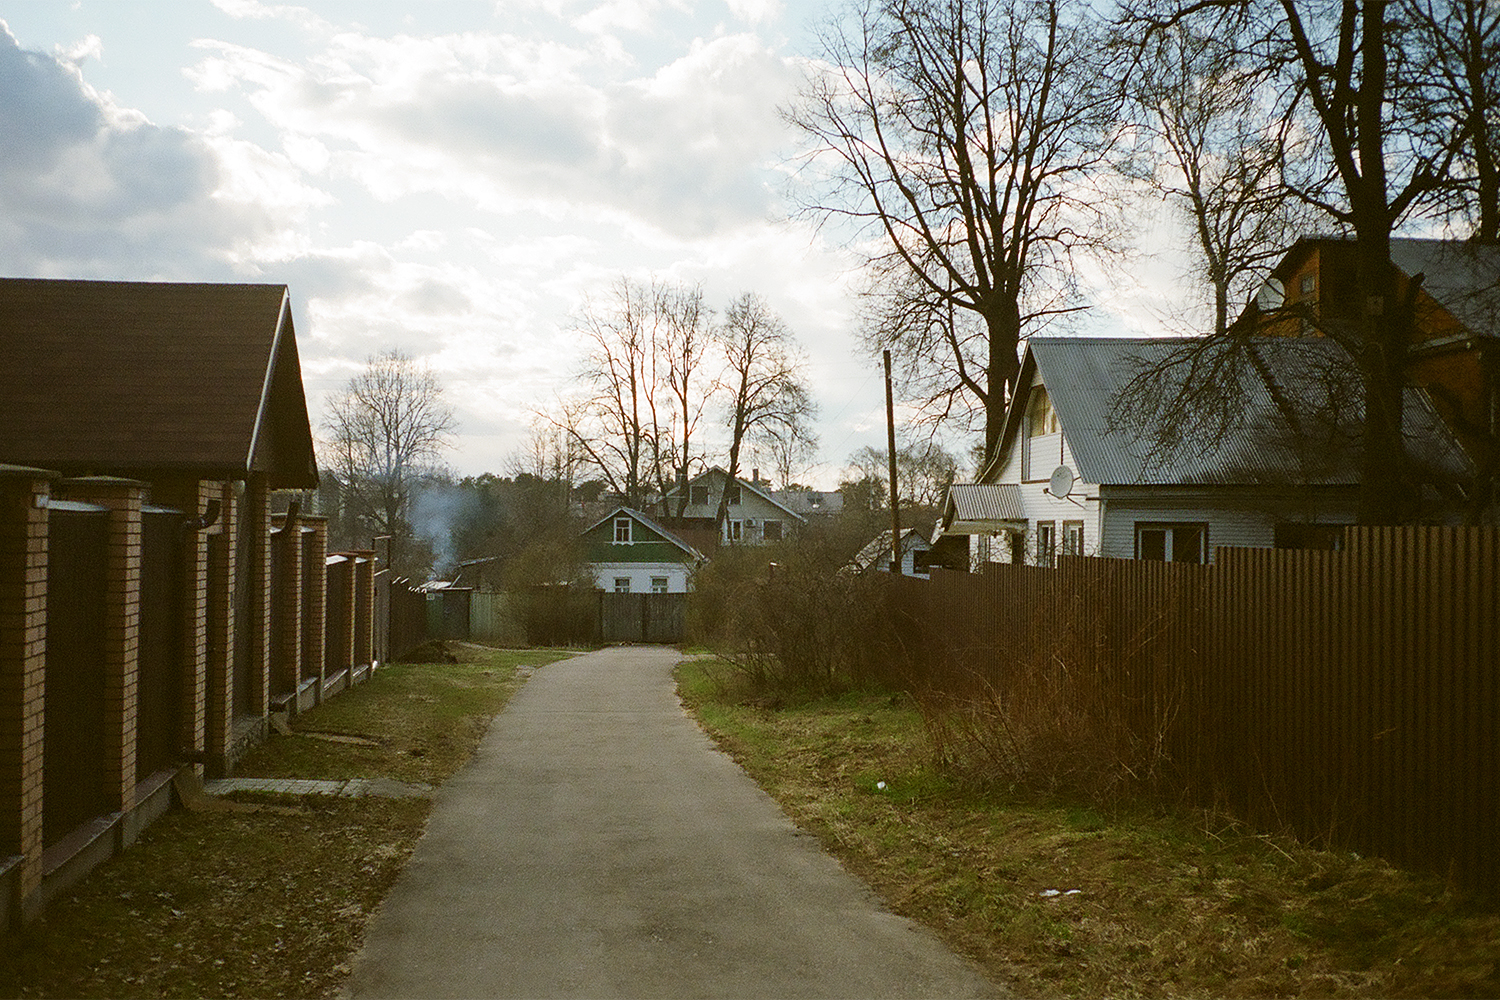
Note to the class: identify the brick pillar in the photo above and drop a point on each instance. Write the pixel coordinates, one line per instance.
(122, 626)
(364, 607)
(23, 674)
(286, 591)
(192, 497)
(314, 598)
(258, 579)
(219, 631)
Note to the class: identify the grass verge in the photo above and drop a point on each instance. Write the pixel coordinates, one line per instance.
(271, 903)
(1063, 900)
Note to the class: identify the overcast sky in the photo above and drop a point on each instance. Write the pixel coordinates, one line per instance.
(448, 178)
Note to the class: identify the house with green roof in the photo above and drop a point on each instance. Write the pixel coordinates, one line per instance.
(632, 553)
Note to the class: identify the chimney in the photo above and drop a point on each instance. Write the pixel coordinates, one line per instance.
(755, 477)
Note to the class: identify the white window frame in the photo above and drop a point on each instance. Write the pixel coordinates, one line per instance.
(659, 585)
(623, 531)
(1170, 540)
(734, 531)
(622, 584)
(1072, 538)
(1046, 543)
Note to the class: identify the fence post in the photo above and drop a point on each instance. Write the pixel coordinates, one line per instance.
(23, 670)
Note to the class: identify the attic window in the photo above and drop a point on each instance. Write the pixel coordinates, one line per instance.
(622, 531)
(733, 493)
(1041, 418)
(698, 496)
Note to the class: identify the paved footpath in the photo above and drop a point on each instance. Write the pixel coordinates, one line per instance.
(598, 845)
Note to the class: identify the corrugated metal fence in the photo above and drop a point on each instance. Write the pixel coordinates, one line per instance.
(1350, 696)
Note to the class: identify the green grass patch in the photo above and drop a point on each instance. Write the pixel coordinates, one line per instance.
(273, 902)
(413, 722)
(1064, 899)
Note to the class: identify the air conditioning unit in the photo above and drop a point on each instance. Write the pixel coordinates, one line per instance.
(749, 522)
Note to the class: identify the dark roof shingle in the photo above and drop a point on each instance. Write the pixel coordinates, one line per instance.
(150, 377)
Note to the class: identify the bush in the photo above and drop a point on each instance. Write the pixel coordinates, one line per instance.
(791, 622)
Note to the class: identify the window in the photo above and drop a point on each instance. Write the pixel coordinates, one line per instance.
(622, 584)
(1041, 418)
(1046, 542)
(771, 531)
(658, 585)
(622, 531)
(736, 530)
(732, 491)
(699, 496)
(1017, 548)
(1187, 543)
(1072, 538)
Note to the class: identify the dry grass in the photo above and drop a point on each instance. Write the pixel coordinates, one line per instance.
(271, 903)
(1064, 900)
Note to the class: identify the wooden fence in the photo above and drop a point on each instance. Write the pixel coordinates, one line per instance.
(1349, 696)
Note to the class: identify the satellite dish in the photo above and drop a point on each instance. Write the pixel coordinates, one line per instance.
(1270, 295)
(1062, 482)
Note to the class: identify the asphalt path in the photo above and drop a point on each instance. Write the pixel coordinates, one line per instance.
(599, 845)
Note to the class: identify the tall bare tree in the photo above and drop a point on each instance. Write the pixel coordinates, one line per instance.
(965, 134)
(1342, 72)
(764, 393)
(1215, 150)
(646, 390)
(386, 430)
(687, 334)
(1456, 51)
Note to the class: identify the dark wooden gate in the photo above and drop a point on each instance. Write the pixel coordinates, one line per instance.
(73, 752)
(159, 690)
(641, 617)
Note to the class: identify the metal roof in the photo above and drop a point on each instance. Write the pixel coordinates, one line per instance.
(984, 502)
(1294, 412)
(1463, 277)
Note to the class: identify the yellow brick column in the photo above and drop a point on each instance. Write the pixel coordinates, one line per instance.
(218, 721)
(23, 673)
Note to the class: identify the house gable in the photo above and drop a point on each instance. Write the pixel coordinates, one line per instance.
(646, 541)
(147, 379)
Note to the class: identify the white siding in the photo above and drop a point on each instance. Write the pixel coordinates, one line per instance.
(640, 574)
(1039, 505)
(1240, 518)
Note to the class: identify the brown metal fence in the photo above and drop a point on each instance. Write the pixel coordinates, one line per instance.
(1349, 696)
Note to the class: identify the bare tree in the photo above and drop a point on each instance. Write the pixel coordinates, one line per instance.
(646, 389)
(964, 133)
(763, 390)
(1456, 47)
(1343, 73)
(924, 471)
(687, 336)
(1216, 153)
(387, 430)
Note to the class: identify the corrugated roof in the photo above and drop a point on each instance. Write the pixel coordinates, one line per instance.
(1297, 413)
(1463, 277)
(984, 502)
(149, 377)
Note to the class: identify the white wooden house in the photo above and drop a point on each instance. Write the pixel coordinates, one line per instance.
(755, 516)
(1069, 479)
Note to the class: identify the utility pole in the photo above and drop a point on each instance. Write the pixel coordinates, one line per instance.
(890, 435)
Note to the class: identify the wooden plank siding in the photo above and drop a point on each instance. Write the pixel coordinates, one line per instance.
(1347, 696)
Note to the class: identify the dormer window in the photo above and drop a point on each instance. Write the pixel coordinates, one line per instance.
(622, 531)
(1041, 418)
(732, 493)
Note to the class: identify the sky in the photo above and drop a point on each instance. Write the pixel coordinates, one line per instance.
(445, 177)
